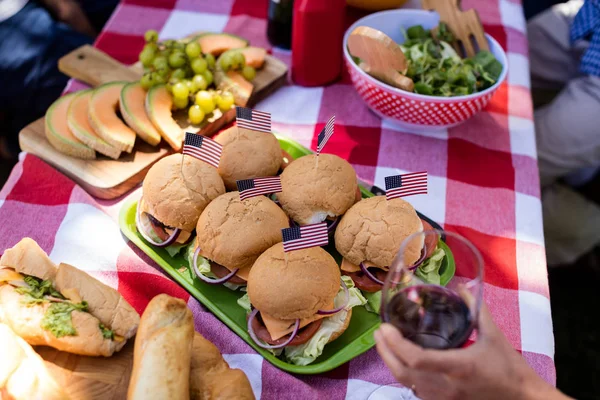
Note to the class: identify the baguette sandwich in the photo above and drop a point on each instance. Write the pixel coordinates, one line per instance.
(23, 375)
(61, 306)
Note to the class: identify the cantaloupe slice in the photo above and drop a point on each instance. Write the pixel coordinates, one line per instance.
(255, 56)
(236, 84)
(102, 114)
(77, 120)
(217, 43)
(158, 107)
(58, 133)
(132, 104)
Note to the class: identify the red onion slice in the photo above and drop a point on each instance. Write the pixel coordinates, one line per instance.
(420, 260)
(140, 228)
(337, 310)
(22, 284)
(268, 346)
(331, 227)
(207, 279)
(369, 274)
(56, 299)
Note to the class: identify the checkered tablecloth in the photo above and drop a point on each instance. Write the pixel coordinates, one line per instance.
(483, 184)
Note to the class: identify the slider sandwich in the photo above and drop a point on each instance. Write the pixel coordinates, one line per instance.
(173, 197)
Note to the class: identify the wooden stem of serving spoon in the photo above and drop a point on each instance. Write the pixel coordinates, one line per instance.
(465, 25)
(380, 57)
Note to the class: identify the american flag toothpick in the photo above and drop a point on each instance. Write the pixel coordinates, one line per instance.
(303, 237)
(255, 187)
(325, 134)
(202, 148)
(254, 120)
(405, 185)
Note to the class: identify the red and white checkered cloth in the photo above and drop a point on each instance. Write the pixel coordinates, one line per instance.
(483, 184)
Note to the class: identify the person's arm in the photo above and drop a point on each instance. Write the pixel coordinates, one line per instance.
(69, 12)
(489, 369)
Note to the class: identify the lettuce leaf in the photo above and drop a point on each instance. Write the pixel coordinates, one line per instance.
(429, 271)
(175, 249)
(204, 267)
(244, 302)
(373, 302)
(308, 352)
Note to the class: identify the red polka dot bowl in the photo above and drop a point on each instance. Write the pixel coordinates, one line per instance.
(408, 110)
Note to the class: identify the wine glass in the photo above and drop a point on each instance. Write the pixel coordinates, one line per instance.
(422, 304)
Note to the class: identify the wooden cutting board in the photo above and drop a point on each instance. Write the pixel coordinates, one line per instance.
(106, 178)
(91, 378)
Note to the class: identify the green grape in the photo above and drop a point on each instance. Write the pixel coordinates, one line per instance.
(225, 100)
(169, 87)
(164, 73)
(164, 53)
(193, 49)
(205, 100)
(180, 91)
(151, 46)
(151, 36)
(180, 102)
(178, 45)
(169, 43)
(248, 72)
(191, 86)
(177, 59)
(159, 79)
(210, 59)
(196, 114)
(238, 61)
(226, 61)
(179, 74)
(198, 65)
(146, 81)
(208, 76)
(147, 57)
(200, 82)
(160, 63)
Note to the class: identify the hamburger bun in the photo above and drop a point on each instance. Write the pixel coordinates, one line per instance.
(340, 331)
(177, 199)
(373, 230)
(247, 154)
(234, 233)
(295, 284)
(312, 193)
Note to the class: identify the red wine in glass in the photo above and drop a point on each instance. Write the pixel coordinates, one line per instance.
(431, 316)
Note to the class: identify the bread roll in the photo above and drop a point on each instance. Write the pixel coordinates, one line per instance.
(162, 352)
(211, 378)
(23, 375)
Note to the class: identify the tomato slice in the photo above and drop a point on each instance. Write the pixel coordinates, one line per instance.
(366, 284)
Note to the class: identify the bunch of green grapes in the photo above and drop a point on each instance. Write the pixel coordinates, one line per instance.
(187, 74)
(235, 60)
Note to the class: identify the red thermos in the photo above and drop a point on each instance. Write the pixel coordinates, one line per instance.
(317, 34)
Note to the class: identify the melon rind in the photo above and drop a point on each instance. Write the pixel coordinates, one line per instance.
(132, 113)
(118, 135)
(235, 83)
(65, 142)
(158, 107)
(85, 133)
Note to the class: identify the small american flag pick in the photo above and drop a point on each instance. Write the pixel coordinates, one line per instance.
(325, 134)
(253, 120)
(405, 185)
(303, 237)
(202, 148)
(257, 186)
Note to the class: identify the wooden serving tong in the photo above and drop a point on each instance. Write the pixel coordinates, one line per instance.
(465, 25)
(380, 56)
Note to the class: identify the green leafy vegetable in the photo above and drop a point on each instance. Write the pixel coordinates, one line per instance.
(373, 302)
(106, 333)
(57, 319)
(417, 32)
(34, 294)
(204, 267)
(429, 271)
(444, 34)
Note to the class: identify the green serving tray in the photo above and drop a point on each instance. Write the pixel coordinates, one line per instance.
(222, 302)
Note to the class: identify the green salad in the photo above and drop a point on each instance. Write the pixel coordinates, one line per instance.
(436, 68)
